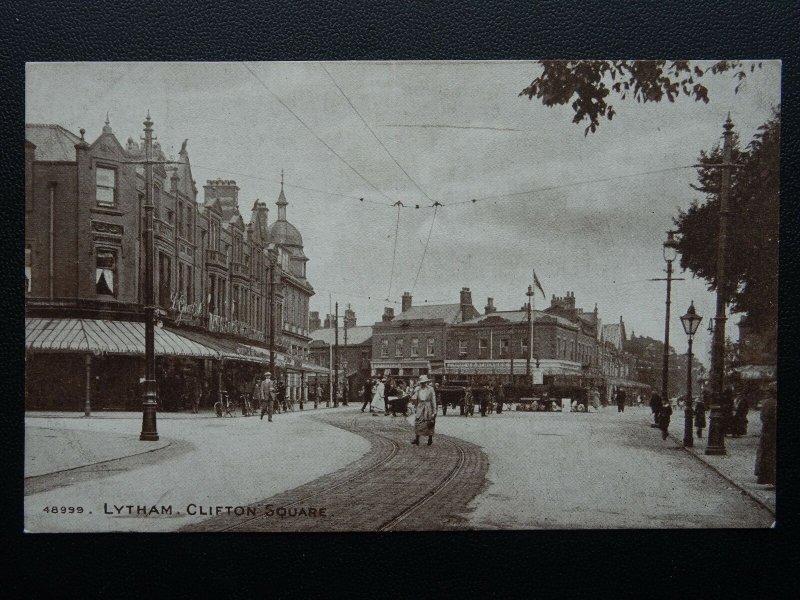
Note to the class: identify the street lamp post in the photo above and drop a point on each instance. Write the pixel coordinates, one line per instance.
(670, 254)
(150, 392)
(690, 321)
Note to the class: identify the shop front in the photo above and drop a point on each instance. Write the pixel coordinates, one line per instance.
(94, 364)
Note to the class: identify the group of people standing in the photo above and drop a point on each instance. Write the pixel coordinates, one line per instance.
(376, 394)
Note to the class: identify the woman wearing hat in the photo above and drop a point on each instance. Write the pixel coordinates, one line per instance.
(425, 400)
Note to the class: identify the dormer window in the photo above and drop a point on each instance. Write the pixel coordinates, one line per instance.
(106, 186)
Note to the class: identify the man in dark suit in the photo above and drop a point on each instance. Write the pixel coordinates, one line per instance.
(621, 399)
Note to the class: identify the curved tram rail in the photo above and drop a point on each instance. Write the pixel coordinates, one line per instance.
(370, 480)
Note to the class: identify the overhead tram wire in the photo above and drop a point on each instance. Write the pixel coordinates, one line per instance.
(572, 184)
(394, 251)
(436, 206)
(377, 139)
(288, 185)
(312, 132)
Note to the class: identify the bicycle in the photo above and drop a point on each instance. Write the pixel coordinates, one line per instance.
(223, 407)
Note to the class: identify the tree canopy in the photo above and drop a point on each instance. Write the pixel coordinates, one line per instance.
(751, 264)
(589, 84)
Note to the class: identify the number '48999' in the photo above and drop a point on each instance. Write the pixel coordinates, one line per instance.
(63, 510)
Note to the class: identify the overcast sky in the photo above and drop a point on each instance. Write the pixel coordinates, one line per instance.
(461, 131)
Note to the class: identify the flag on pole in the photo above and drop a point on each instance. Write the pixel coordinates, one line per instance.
(538, 285)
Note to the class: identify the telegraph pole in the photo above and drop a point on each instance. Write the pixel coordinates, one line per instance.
(716, 430)
(150, 392)
(336, 359)
(529, 294)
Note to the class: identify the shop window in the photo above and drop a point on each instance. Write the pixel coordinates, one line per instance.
(414, 346)
(106, 180)
(27, 269)
(429, 349)
(106, 283)
(462, 348)
(384, 348)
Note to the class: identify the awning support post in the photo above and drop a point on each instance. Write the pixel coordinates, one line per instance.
(87, 405)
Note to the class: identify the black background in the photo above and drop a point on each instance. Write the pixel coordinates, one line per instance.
(558, 563)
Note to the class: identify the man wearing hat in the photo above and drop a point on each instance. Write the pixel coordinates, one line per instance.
(425, 400)
(267, 396)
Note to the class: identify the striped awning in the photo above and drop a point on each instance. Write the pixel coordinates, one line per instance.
(99, 336)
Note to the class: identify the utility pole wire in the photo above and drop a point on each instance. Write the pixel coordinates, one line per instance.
(394, 251)
(425, 251)
(377, 139)
(303, 123)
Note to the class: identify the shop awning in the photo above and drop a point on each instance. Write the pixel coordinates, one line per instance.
(225, 348)
(106, 337)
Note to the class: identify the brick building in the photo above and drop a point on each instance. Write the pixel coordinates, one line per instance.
(84, 268)
(414, 341)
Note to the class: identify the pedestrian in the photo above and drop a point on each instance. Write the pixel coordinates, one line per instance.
(700, 407)
(267, 396)
(655, 406)
(425, 410)
(741, 408)
(388, 390)
(621, 399)
(366, 394)
(377, 394)
(664, 415)
(197, 393)
(765, 456)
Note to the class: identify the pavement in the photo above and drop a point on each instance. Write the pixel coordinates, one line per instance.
(738, 465)
(524, 471)
(199, 459)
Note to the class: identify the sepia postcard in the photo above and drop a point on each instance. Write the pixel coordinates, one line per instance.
(401, 295)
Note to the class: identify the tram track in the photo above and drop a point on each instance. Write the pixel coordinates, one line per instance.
(398, 482)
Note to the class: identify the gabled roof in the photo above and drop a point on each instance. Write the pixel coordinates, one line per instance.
(53, 142)
(449, 313)
(519, 316)
(358, 335)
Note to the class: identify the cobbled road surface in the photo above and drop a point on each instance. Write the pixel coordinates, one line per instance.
(396, 486)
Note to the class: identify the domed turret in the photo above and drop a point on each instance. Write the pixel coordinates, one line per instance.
(281, 231)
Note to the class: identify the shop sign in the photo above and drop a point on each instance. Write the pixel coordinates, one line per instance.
(183, 311)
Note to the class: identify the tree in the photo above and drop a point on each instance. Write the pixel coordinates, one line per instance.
(589, 83)
(751, 264)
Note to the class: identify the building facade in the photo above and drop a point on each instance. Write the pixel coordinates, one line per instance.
(214, 275)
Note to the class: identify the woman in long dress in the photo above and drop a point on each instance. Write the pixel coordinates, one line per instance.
(765, 456)
(425, 419)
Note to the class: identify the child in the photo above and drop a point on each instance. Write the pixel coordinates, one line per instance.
(664, 414)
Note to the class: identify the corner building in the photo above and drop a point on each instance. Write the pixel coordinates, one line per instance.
(84, 278)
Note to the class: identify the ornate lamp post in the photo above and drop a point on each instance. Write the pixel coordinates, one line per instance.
(670, 251)
(150, 393)
(690, 321)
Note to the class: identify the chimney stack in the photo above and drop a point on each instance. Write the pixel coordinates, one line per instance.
(489, 308)
(313, 320)
(466, 303)
(406, 304)
(388, 314)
